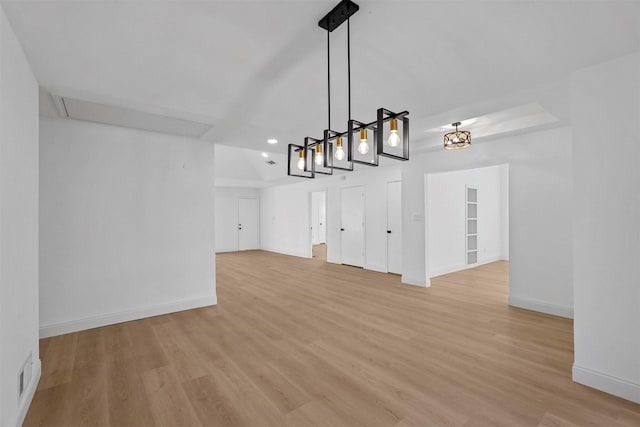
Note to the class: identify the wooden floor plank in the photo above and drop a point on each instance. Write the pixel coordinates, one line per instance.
(169, 404)
(57, 367)
(300, 342)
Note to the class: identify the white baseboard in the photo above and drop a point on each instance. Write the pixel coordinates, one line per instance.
(23, 407)
(541, 306)
(223, 250)
(124, 316)
(459, 267)
(415, 282)
(607, 383)
(378, 268)
(278, 251)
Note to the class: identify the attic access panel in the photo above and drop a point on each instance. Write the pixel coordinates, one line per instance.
(95, 112)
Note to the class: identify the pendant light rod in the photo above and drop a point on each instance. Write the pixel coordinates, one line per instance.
(349, 62)
(328, 81)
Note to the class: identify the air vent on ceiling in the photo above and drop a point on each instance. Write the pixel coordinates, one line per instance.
(120, 116)
(270, 162)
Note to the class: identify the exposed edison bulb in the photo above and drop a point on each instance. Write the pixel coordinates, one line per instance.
(363, 147)
(394, 138)
(301, 160)
(339, 154)
(319, 157)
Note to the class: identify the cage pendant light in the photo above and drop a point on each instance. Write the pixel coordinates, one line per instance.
(387, 135)
(457, 139)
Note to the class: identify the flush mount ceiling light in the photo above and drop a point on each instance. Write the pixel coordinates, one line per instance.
(272, 141)
(387, 136)
(457, 139)
(265, 155)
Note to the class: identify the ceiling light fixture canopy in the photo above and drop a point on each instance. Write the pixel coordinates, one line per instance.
(457, 139)
(390, 131)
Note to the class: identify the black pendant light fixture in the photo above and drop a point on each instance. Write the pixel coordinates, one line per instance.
(387, 136)
(457, 139)
(396, 145)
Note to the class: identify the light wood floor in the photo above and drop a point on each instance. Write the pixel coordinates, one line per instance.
(298, 342)
(320, 252)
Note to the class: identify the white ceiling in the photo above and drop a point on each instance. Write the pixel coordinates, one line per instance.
(242, 167)
(257, 69)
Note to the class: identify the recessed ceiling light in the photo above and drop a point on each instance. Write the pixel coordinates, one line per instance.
(265, 155)
(272, 141)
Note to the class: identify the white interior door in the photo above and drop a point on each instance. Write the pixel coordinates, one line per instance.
(318, 212)
(315, 220)
(352, 225)
(322, 223)
(394, 227)
(248, 220)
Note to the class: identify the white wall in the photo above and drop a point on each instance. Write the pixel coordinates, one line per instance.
(540, 237)
(18, 226)
(446, 228)
(227, 215)
(606, 233)
(285, 219)
(126, 224)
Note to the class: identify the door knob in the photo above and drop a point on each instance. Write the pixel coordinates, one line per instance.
(342, 229)
(388, 231)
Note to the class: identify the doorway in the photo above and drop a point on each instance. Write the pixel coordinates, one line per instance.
(352, 225)
(248, 224)
(467, 218)
(318, 214)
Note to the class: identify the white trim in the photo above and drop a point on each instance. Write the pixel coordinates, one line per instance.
(378, 268)
(124, 316)
(223, 250)
(415, 282)
(459, 267)
(29, 393)
(607, 383)
(541, 306)
(281, 252)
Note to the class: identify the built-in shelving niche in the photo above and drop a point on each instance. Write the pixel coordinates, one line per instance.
(472, 225)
